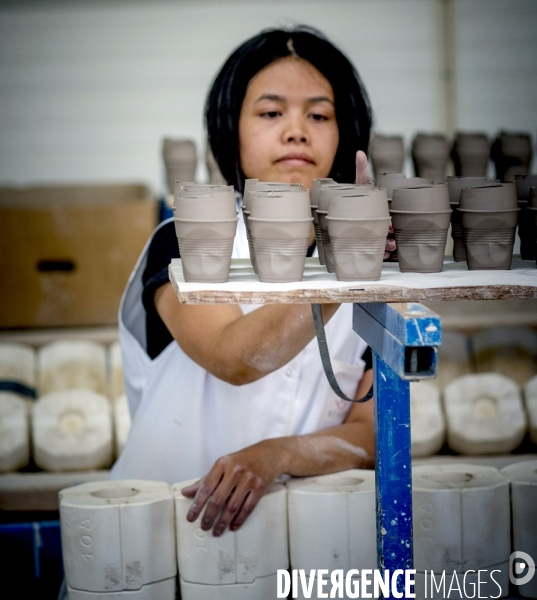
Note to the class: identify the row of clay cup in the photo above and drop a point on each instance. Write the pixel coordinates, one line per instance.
(421, 216)
(526, 218)
(489, 219)
(470, 154)
(455, 186)
(205, 219)
(278, 224)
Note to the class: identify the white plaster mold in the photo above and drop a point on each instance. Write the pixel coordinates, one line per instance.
(117, 536)
(72, 430)
(427, 422)
(256, 551)
(14, 432)
(484, 414)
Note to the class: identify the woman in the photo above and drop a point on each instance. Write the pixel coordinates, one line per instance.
(236, 394)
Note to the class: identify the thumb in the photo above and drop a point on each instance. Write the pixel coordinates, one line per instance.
(363, 174)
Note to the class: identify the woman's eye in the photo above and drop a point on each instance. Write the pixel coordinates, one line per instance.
(270, 114)
(318, 117)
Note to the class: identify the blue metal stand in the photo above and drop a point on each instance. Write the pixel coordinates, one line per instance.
(404, 339)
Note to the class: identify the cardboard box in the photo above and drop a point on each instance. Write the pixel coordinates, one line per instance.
(66, 252)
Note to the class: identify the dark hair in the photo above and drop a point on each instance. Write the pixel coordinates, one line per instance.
(224, 102)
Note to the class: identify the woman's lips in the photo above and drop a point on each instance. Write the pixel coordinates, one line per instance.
(296, 159)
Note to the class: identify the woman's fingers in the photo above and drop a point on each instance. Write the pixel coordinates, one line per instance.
(190, 491)
(390, 245)
(205, 491)
(248, 486)
(247, 507)
(363, 174)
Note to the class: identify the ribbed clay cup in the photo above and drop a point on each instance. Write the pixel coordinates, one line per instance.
(428, 198)
(268, 187)
(251, 249)
(205, 248)
(325, 193)
(489, 237)
(280, 248)
(373, 204)
(421, 240)
(276, 205)
(511, 153)
(358, 246)
(491, 197)
(220, 205)
(430, 154)
(387, 154)
(471, 154)
(390, 181)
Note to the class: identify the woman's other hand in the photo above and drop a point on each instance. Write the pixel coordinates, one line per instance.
(363, 176)
(234, 486)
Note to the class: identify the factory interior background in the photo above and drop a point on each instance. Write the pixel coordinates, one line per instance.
(89, 89)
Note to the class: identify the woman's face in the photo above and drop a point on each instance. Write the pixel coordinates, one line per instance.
(287, 127)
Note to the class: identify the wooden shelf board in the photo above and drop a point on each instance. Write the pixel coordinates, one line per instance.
(455, 282)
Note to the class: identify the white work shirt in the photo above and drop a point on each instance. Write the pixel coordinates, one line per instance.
(184, 419)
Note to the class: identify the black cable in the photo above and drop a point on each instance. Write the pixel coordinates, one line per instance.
(325, 356)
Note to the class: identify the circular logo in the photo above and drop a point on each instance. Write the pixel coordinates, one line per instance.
(520, 562)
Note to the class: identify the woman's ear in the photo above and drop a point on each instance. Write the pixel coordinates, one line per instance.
(363, 173)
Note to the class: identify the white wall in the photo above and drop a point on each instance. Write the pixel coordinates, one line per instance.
(87, 89)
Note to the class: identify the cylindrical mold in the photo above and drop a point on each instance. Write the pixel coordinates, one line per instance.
(484, 414)
(523, 478)
(236, 559)
(461, 523)
(427, 422)
(72, 364)
(117, 535)
(332, 523)
(72, 430)
(14, 434)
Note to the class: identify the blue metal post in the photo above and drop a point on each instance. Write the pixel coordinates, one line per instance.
(392, 469)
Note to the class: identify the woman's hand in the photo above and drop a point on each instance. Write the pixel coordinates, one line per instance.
(234, 486)
(363, 176)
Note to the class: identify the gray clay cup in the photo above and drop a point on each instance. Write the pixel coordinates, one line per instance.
(353, 229)
(387, 154)
(269, 187)
(358, 259)
(456, 184)
(355, 206)
(523, 186)
(280, 262)
(424, 221)
(329, 191)
(495, 196)
(390, 181)
(459, 252)
(206, 261)
(196, 229)
(486, 219)
(471, 154)
(430, 198)
(213, 207)
(294, 205)
(280, 229)
(317, 183)
(420, 251)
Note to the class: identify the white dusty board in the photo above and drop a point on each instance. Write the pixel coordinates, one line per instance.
(455, 282)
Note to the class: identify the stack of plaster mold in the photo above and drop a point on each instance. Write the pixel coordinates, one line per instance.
(454, 358)
(485, 414)
(511, 153)
(122, 417)
(118, 540)
(74, 364)
(180, 161)
(461, 524)
(428, 426)
(523, 478)
(17, 381)
(237, 565)
(430, 154)
(387, 154)
(332, 523)
(72, 431)
(509, 351)
(530, 397)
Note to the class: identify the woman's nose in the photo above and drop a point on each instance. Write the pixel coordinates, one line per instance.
(296, 131)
